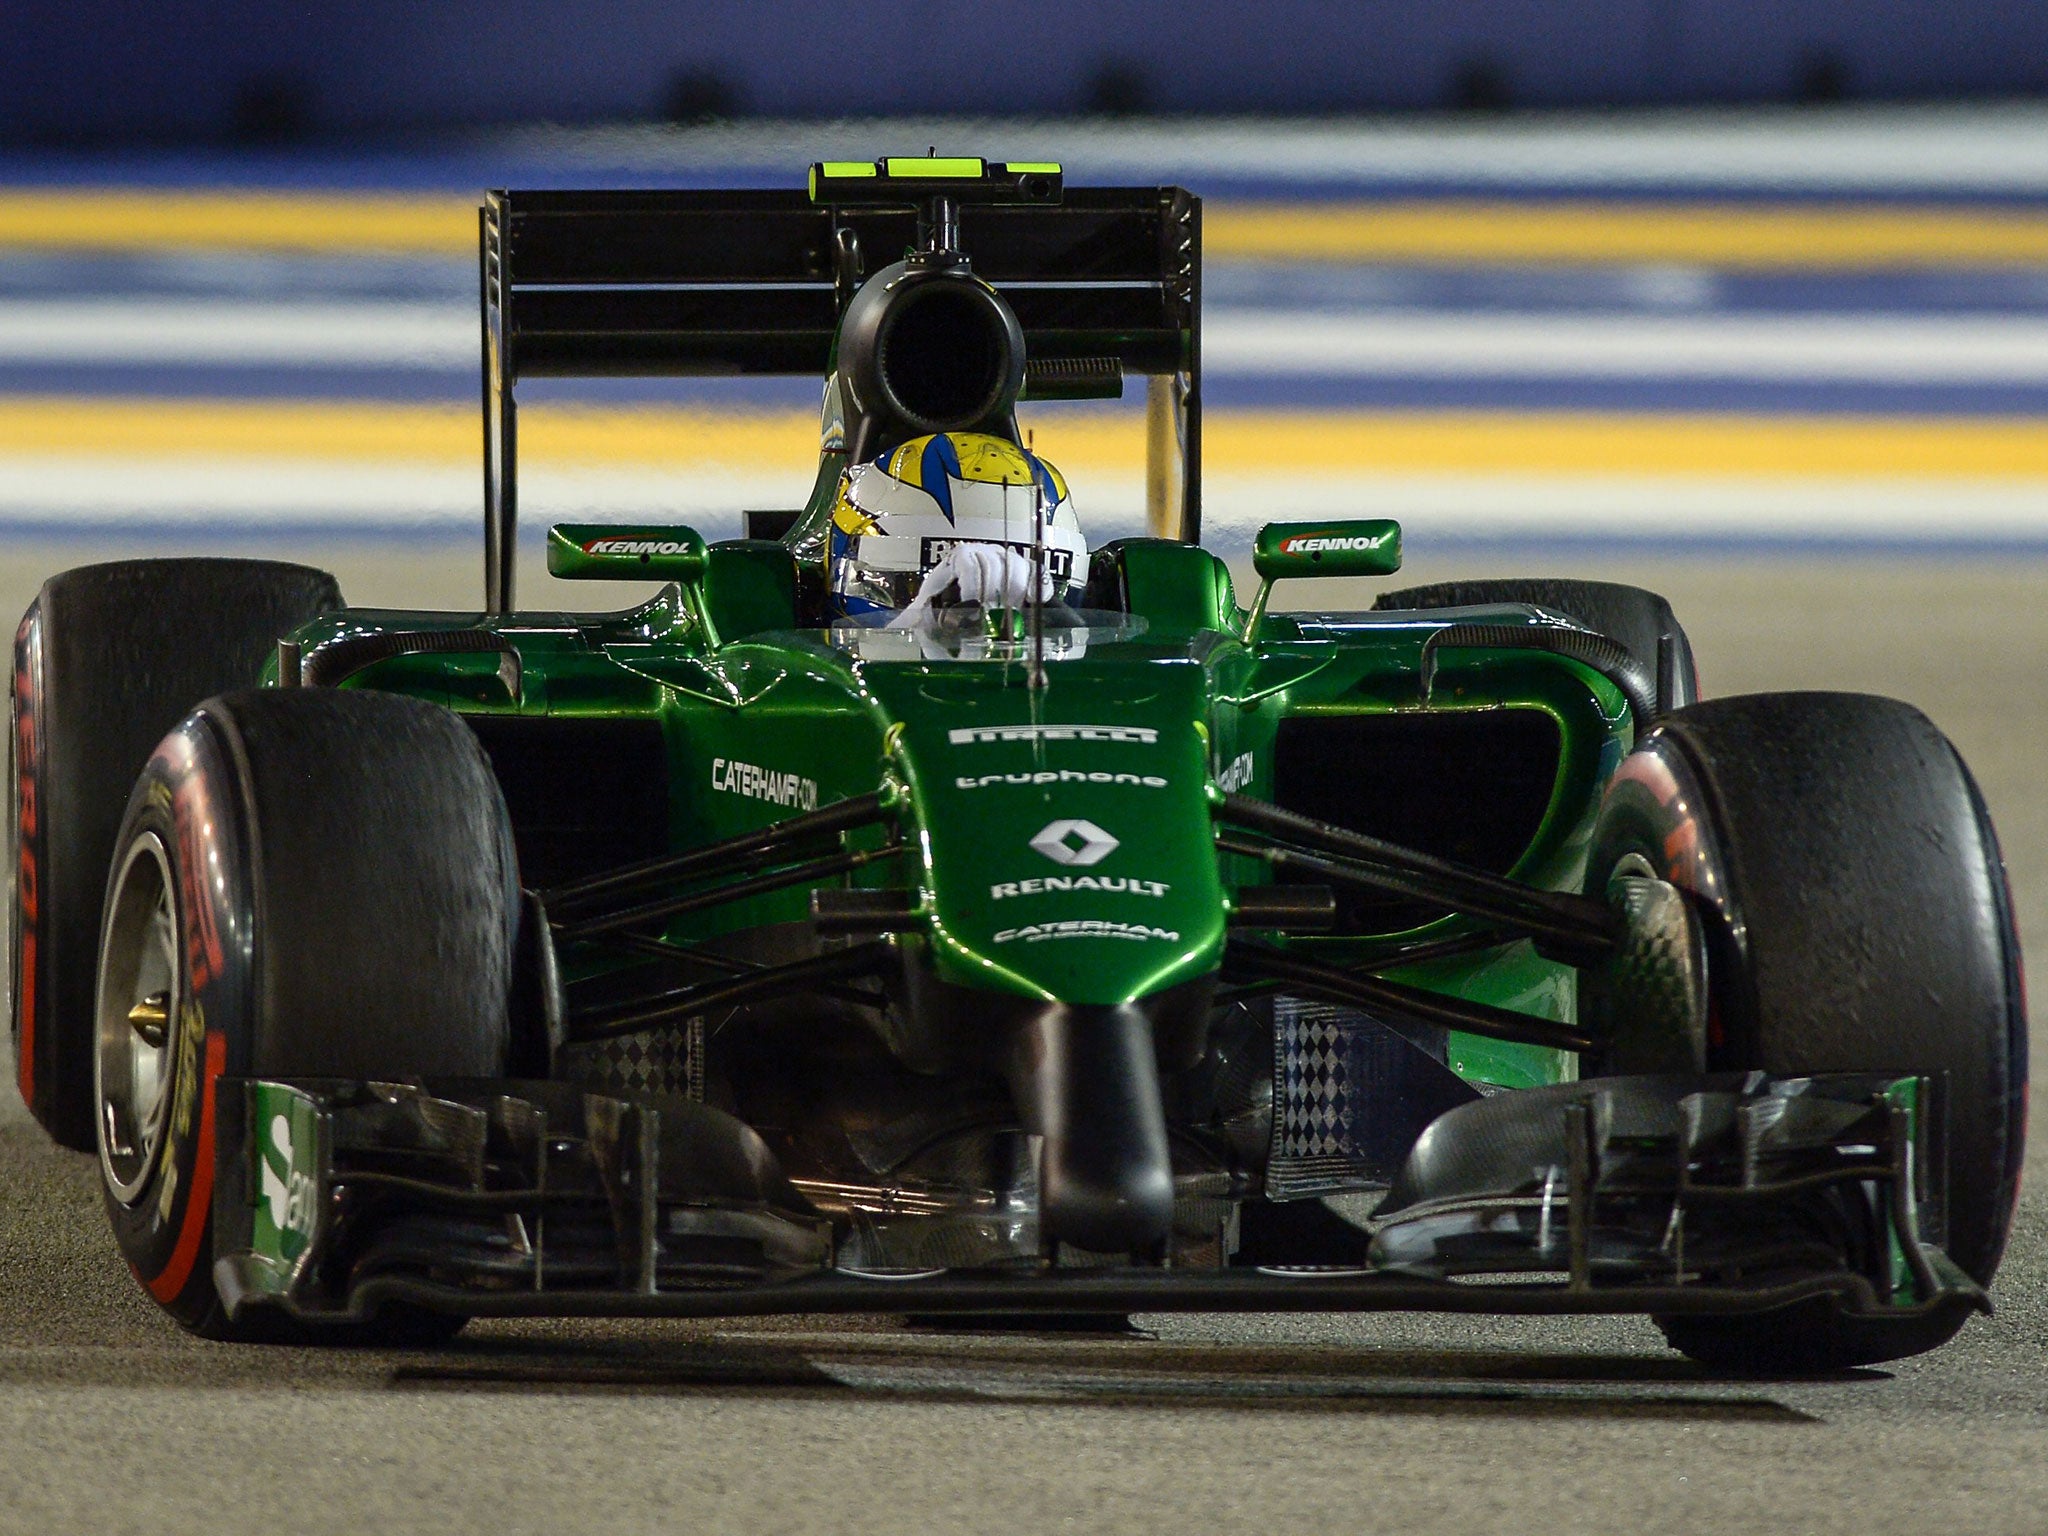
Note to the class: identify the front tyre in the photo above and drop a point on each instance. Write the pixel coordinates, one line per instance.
(1857, 919)
(107, 659)
(308, 883)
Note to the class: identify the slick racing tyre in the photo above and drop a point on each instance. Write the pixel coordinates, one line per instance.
(308, 883)
(107, 659)
(1856, 919)
(1641, 622)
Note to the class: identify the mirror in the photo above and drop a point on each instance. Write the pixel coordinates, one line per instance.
(1367, 546)
(1363, 546)
(612, 552)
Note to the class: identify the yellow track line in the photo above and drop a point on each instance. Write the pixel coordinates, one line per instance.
(1706, 234)
(1423, 231)
(285, 221)
(1237, 442)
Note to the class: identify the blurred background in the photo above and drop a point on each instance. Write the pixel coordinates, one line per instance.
(1613, 279)
(1742, 300)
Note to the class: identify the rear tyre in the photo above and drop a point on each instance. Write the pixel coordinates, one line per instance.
(310, 883)
(1857, 919)
(107, 659)
(1640, 621)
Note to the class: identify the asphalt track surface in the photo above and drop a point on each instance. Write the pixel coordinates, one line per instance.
(113, 1420)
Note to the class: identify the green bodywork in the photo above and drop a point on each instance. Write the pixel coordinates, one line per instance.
(288, 1130)
(1137, 731)
(1007, 1027)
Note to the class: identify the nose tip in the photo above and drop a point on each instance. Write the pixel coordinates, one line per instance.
(1086, 1079)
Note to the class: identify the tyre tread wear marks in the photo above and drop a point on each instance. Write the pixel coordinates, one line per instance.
(27, 778)
(107, 659)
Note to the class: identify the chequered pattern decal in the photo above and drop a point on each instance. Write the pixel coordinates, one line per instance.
(1316, 1091)
(1353, 1092)
(667, 1063)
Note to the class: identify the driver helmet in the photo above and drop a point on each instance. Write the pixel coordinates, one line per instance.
(947, 518)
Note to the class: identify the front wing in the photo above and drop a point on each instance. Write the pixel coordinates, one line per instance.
(1726, 1194)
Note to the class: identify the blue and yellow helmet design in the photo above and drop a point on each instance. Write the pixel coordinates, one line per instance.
(897, 516)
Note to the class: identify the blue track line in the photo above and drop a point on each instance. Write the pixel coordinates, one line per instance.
(474, 164)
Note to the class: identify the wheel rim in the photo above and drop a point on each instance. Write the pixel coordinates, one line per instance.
(135, 1059)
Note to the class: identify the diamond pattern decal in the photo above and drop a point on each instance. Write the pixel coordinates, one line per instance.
(666, 1063)
(1315, 1093)
(1072, 841)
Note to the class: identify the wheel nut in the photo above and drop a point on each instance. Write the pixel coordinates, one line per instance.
(151, 1019)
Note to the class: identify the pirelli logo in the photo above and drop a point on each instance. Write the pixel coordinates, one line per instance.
(1137, 735)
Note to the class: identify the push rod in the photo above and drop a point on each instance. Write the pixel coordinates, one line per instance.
(830, 820)
(1244, 962)
(1386, 959)
(1577, 929)
(675, 1006)
(723, 965)
(719, 895)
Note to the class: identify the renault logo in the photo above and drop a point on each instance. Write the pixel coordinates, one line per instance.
(1074, 842)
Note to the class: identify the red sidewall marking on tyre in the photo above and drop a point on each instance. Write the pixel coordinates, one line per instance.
(1681, 846)
(199, 1198)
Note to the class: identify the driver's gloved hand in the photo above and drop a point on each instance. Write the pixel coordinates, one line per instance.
(992, 575)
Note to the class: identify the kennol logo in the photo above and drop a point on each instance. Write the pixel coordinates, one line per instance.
(1317, 543)
(637, 547)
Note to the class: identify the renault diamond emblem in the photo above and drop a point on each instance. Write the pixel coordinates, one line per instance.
(1074, 842)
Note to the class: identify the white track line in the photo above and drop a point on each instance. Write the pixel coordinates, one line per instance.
(1848, 150)
(280, 494)
(2005, 349)
(366, 335)
(1892, 349)
(288, 490)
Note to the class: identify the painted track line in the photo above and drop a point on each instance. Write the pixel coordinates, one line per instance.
(1284, 442)
(1435, 230)
(2007, 349)
(277, 466)
(1889, 348)
(334, 334)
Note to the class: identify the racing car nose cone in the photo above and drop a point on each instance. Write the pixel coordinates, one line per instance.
(1086, 1078)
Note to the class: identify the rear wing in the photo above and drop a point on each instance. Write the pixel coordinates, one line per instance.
(673, 284)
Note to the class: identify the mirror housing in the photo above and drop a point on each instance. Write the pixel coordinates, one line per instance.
(1363, 546)
(1367, 546)
(611, 552)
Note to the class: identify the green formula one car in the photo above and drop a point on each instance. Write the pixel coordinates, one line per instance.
(877, 920)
